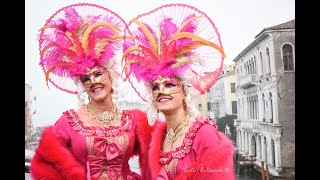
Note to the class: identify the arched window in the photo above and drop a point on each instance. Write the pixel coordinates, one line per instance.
(287, 55)
(268, 70)
(271, 108)
(253, 146)
(263, 109)
(265, 149)
(254, 64)
(261, 60)
(273, 159)
(247, 68)
(238, 75)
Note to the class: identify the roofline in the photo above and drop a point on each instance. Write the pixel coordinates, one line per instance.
(261, 36)
(255, 42)
(272, 30)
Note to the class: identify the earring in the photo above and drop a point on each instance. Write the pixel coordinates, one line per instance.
(89, 98)
(81, 99)
(184, 105)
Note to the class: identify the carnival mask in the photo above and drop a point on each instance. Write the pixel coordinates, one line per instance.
(97, 74)
(166, 86)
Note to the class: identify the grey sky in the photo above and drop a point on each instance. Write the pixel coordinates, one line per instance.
(238, 22)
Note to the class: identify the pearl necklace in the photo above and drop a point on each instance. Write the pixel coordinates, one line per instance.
(107, 117)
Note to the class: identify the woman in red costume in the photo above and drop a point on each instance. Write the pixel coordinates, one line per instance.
(80, 46)
(175, 57)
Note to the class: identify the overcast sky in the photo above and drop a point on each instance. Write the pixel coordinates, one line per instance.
(238, 22)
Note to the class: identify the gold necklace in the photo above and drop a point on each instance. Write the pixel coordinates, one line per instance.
(173, 134)
(105, 118)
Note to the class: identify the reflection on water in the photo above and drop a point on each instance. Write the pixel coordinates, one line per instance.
(248, 173)
(246, 178)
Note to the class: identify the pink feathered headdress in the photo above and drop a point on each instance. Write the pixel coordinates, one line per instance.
(171, 41)
(79, 37)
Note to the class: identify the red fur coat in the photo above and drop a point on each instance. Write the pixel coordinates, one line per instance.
(54, 160)
(205, 154)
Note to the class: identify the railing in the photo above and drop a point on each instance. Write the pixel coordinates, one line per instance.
(248, 79)
(28, 157)
(258, 126)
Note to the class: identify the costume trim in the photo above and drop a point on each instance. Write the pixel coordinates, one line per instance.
(219, 159)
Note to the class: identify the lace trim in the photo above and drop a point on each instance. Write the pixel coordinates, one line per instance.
(77, 125)
(184, 149)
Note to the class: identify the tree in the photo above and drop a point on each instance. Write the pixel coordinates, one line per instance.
(223, 121)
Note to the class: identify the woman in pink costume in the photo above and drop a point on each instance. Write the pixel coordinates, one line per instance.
(80, 46)
(176, 56)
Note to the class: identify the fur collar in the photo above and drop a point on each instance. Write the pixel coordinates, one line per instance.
(155, 147)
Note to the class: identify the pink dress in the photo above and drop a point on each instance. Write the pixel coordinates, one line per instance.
(102, 152)
(205, 153)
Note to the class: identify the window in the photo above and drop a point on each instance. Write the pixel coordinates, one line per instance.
(233, 87)
(268, 70)
(287, 57)
(261, 63)
(254, 64)
(200, 107)
(209, 106)
(234, 107)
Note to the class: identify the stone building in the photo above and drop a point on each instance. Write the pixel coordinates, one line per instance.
(265, 88)
(28, 114)
(222, 97)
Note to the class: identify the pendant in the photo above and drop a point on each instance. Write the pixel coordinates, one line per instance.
(106, 117)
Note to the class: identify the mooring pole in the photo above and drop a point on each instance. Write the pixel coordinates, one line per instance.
(262, 171)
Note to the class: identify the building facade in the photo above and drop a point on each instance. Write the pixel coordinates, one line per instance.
(128, 104)
(28, 114)
(222, 98)
(265, 88)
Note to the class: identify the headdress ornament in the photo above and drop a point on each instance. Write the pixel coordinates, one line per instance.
(170, 41)
(79, 37)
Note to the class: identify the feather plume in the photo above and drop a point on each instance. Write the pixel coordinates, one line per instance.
(73, 40)
(187, 26)
(128, 50)
(196, 38)
(47, 74)
(91, 28)
(148, 35)
(167, 28)
(171, 47)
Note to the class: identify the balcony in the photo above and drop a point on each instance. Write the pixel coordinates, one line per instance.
(248, 81)
(257, 126)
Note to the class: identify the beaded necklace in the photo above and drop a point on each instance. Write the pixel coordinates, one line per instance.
(107, 117)
(173, 134)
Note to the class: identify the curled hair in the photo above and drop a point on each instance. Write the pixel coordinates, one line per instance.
(191, 93)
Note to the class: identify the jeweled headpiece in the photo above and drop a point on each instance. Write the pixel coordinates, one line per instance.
(171, 41)
(79, 37)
